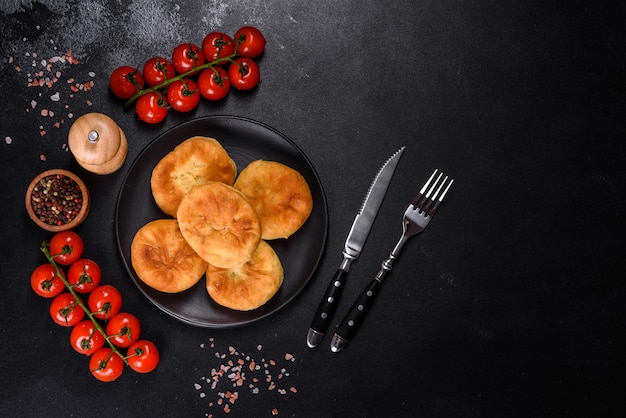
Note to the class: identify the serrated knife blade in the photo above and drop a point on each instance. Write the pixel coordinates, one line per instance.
(357, 236)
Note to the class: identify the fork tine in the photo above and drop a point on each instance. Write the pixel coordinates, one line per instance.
(438, 201)
(417, 201)
(428, 199)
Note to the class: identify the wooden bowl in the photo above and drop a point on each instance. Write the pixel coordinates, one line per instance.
(72, 209)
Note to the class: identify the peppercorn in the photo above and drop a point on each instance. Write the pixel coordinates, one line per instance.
(56, 199)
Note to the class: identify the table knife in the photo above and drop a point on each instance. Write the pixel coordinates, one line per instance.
(352, 248)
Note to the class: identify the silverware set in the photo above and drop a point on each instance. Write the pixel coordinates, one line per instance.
(416, 218)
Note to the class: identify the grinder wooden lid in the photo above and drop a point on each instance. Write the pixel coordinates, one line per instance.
(98, 143)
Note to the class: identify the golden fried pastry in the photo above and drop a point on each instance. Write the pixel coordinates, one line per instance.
(219, 224)
(280, 195)
(163, 259)
(194, 161)
(248, 285)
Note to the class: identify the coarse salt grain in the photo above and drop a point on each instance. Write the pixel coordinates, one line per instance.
(45, 74)
(233, 371)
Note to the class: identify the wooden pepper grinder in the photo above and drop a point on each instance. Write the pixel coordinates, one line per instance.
(98, 144)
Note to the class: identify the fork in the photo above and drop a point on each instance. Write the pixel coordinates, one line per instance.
(416, 218)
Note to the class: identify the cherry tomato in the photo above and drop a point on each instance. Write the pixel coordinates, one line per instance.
(84, 275)
(125, 81)
(106, 365)
(105, 302)
(186, 57)
(217, 45)
(66, 247)
(45, 281)
(158, 69)
(143, 356)
(250, 42)
(183, 95)
(152, 107)
(244, 73)
(213, 83)
(123, 329)
(85, 338)
(65, 311)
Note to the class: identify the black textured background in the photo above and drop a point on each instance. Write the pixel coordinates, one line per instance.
(512, 304)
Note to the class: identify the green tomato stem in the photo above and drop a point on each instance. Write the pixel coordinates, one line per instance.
(167, 82)
(46, 252)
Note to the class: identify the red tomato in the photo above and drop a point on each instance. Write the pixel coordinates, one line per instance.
(84, 275)
(105, 302)
(66, 247)
(45, 281)
(183, 95)
(217, 45)
(65, 311)
(214, 83)
(143, 356)
(125, 81)
(186, 57)
(244, 73)
(250, 42)
(156, 70)
(106, 365)
(85, 338)
(152, 107)
(123, 329)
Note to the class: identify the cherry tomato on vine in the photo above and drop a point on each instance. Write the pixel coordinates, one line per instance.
(84, 275)
(85, 338)
(251, 42)
(158, 69)
(183, 95)
(105, 365)
(125, 81)
(66, 247)
(152, 107)
(105, 302)
(217, 45)
(65, 311)
(143, 356)
(123, 329)
(45, 282)
(186, 57)
(213, 83)
(244, 73)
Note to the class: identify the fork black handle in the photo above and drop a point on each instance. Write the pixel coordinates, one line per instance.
(355, 317)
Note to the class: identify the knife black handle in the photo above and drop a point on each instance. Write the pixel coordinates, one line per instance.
(355, 317)
(327, 307)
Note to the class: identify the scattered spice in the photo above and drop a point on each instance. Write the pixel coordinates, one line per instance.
(241, 374)
(45, 78)
(57, 199)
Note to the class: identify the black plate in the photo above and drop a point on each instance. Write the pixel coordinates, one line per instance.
(245, 140)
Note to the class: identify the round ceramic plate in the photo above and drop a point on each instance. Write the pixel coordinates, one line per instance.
(245, 140)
